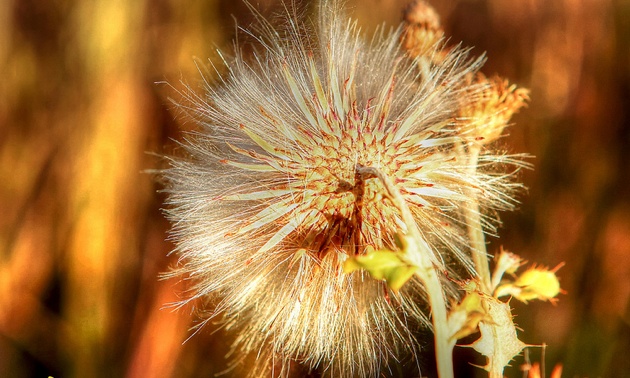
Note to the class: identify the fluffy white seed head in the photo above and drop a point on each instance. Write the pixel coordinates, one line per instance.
(267, 203)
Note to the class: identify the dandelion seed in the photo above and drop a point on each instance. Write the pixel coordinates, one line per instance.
(270, 202)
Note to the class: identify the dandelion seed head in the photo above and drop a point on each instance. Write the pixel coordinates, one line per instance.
(268, 201)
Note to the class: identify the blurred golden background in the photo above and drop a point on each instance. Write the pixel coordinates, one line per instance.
(82, 238)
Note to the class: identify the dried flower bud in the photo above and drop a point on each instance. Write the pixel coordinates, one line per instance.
(490, 107)
(423, 33)
(506, 262)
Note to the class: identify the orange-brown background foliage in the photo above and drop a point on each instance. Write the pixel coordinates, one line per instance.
(82, 238)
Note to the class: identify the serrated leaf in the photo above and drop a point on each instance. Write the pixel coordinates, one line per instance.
(498, 341)
(383, 265)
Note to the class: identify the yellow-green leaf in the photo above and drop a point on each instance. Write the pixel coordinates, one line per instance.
(464, 317)
(535, 283)
(383, 265)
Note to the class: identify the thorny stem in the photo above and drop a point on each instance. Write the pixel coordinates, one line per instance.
(475, 230)
(420, 255)
(494, 374)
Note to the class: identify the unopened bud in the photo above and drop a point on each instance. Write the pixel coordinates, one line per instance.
(423, 32)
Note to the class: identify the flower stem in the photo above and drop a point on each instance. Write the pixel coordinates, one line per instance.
(443, 345)
(475, 230)
(420, 255)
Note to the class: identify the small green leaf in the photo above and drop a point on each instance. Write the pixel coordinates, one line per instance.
(383, 265)
(535, 283)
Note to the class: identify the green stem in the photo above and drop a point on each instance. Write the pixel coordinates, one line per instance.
(420, 255)
(475, 230)
(443, 344)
